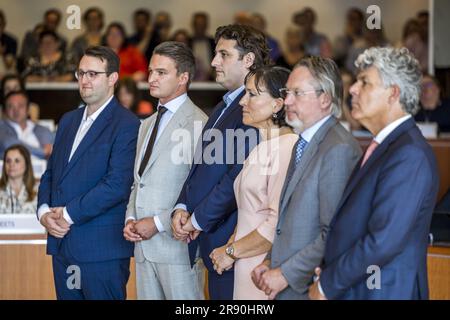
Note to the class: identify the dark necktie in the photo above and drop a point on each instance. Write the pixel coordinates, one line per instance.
(151, 141)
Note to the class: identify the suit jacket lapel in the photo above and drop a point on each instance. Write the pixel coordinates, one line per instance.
(359, 172)
(93, 134)
(308, 155)
(178, 120)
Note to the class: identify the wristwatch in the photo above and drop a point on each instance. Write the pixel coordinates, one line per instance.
(229, 250)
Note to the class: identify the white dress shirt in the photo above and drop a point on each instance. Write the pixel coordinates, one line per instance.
(172, 107)
(85, 125)
(26, 135)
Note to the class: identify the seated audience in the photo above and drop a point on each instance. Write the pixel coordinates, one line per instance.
(130, 97)
(132, 62)
(161, 32)
(142, 19)
(30, 43)
(433, 108)
(259, 22)
(353, 32)
(415, 39)
(13, 82)
(17, 183)
(181, 35)
(93, 19)
(348, 79)
(202, 46)
(295, 49)
(8, 49)
(51, 64)
(316, 44)
(15, 128)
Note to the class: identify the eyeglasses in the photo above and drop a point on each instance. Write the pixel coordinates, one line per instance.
(284, 92)
(90, 74)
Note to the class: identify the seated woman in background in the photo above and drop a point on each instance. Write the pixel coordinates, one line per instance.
(132, 61)
(433, 108)
(258, 186)
(51, 63)
(17, 184)
(130, 97)
(13, 82)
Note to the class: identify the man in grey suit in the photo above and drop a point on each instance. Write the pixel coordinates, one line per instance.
(321, 162)
(162, 164)
(16, 128)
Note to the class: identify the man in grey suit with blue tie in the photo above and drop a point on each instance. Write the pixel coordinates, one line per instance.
(163, 159)
(321, 162)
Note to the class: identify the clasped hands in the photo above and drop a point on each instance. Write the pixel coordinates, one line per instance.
(54, 222)
(138, 230)
(182, 228)
(271, 281)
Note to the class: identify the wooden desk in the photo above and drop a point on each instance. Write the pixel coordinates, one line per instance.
(26, 271)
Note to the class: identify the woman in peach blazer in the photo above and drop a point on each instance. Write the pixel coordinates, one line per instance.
(258, 186)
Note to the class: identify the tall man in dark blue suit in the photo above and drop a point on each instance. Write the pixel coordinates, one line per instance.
(206, 206)
(84, 192)
(377, 246)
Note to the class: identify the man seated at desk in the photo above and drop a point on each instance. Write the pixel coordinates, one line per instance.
(16, 128)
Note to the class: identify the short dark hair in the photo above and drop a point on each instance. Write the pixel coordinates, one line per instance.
(7, 78)
(273, 78)
(54, 11)
(105, 54)
(22, 93)
(248, 39)
(181, 54)
(143, 12)
(98, 11)
(46, 33)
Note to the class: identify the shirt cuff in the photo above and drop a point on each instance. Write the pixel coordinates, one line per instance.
(180, 206)
(128, 219)
(158, 224)
(195, 223)
(66, 216)
(43, 209)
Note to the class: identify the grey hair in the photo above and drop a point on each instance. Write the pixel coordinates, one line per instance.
(326, 72)
(396, 66)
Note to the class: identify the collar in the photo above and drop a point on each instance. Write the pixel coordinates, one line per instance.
(96, 113)
(389, 128)
(231, 95)
(311, 131)
(30, 126)
(174, 104)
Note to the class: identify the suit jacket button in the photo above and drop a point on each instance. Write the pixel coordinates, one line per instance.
(141, 185)
(278, 231)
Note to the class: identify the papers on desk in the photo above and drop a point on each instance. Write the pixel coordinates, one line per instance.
(25, 223)
(429, 129)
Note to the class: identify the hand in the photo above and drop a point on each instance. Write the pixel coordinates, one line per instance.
(258, 272)
(59, 213)
(179, 219)
(189, 227)
(273, 282)
(146, 228)
(314, 292)
(221, 261)
(129, 232)
(49, 221)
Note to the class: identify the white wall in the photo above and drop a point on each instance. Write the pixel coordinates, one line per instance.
(22, 15)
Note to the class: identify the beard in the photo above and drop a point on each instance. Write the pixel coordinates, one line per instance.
(297, 124)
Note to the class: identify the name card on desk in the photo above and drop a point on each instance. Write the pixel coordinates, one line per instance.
(20, 224)
(429, 129)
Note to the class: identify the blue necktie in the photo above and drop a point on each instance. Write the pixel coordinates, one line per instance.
(299, 148)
